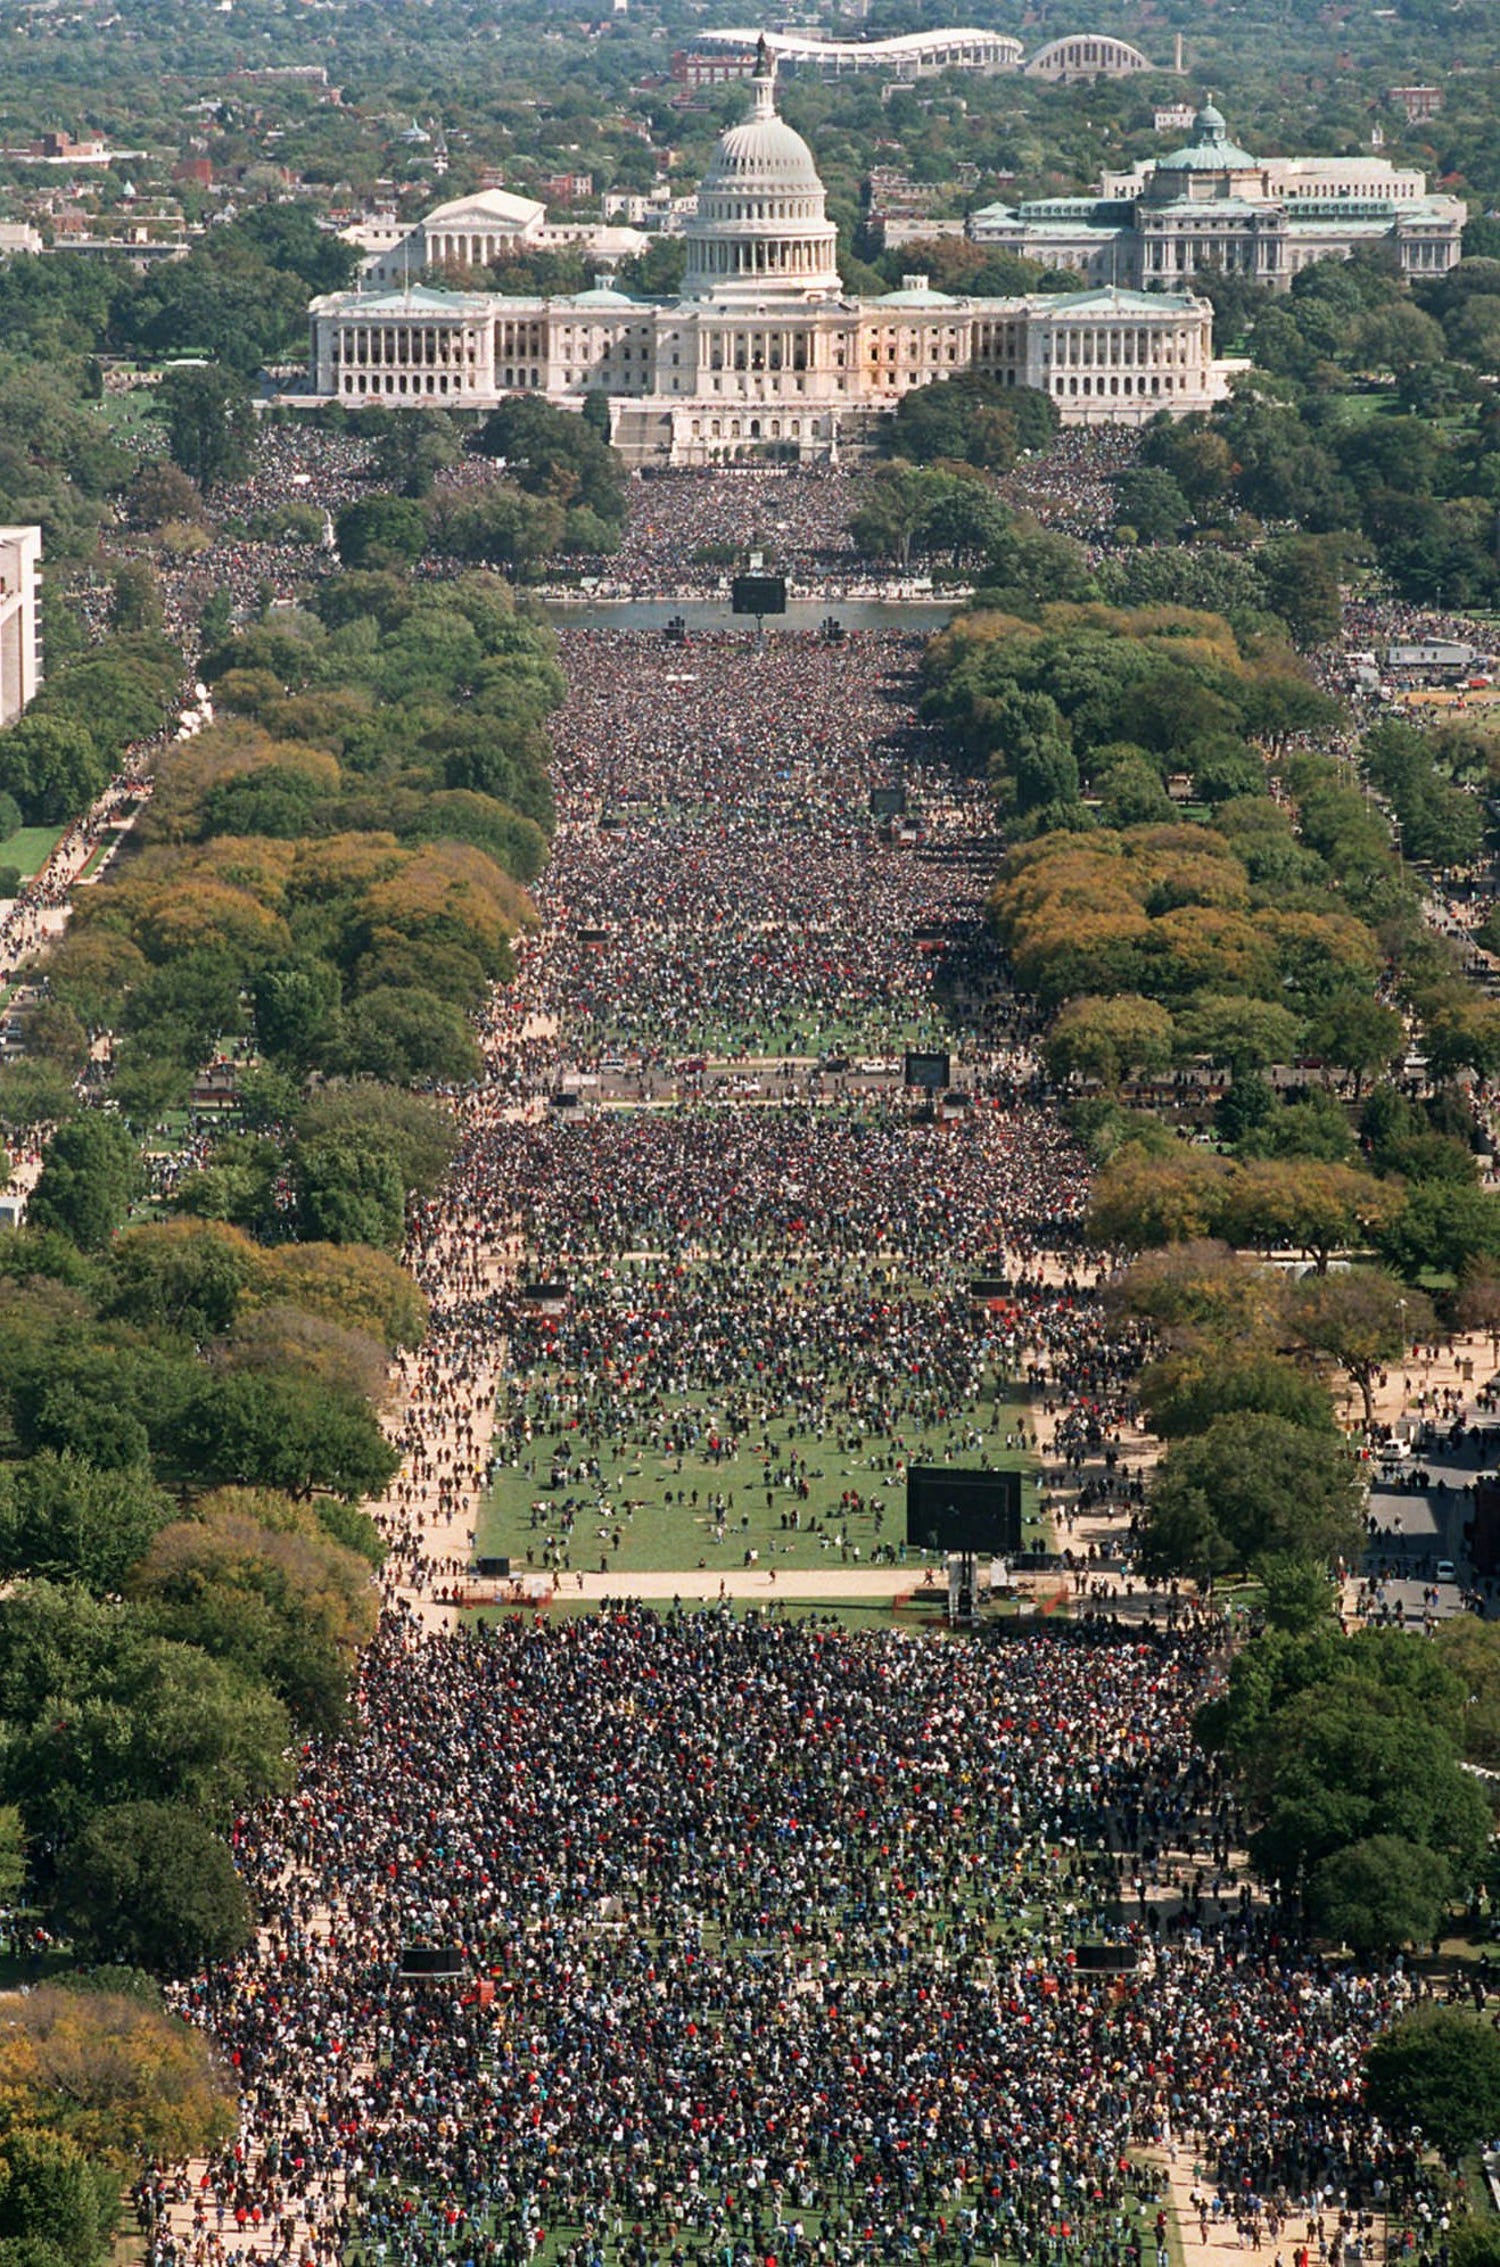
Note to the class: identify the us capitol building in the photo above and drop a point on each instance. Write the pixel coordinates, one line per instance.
(764, 353)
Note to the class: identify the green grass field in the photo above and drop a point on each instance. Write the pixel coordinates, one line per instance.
(639, 1514)
(132, 414)
(727, 1040)
(29, 848)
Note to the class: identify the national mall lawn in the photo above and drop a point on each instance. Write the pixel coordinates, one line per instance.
(645, 1498)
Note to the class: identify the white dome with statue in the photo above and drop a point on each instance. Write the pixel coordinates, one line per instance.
(761, 228)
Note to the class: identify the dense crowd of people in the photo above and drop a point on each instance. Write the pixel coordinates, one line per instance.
(721, 881)
(765, 1939)
(687, 531)
(1069, 485)
(764, 1934)
(819, 1242)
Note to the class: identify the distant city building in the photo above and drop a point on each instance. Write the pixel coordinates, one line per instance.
(567, 188)
(1173, 118)
(272, 74)
(1212, 206)
(712, 67)
(86, 149)
(69, 150)
(656, 209)
(763, 353)
(897, 230)
(20, 620)
(907, 55)
(1419, 103)
(1087, 55)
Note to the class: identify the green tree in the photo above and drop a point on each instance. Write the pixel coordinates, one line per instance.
(55, 1035)
(1301, 581)
(1299, 1595)
(62, 1519)
(349, 1190)
(420, 1134)
(52, 766)
(297, 1010)
(135, 600)
(970, 419)
(552, 453)
(258, 1430)
(1249, 1487)
(1031, 758)
(1107, 1039)
(1437, 2069)
(1132, 794)
(285, 1603)
(149, 1885)
(1239, 1035)
(1150, 501)
(1444, 1227)
(1306, 1206)
(1380, 1895)
(1358, 1035)
(12, 1856)
(1361, 1319)
(51, 2191)
(1183, 1393)
(90, 1173)
(381, 531)
(1316, 1128)
(158, 493)
(145, 1721)
(179, 1275)
(897, 505)
(1471, 1649)
(1474, 2241)
(1245, 1109)
(1141, 1200)
(405, 1034)
(412, 449)
(1199, 461)
(1349, 1761)
(210, 423)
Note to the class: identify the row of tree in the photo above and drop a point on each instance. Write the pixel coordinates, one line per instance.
(337, 868)
(563, 492)
(188, 1421)
(1089, 698)
(60, 755)
(1348, 1752)
(1414, 484)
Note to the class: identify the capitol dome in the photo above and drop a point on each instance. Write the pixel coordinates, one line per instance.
(766, 153)
(761, 227)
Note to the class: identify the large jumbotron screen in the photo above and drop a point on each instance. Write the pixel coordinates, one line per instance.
(758, 594)
(949, 1510)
